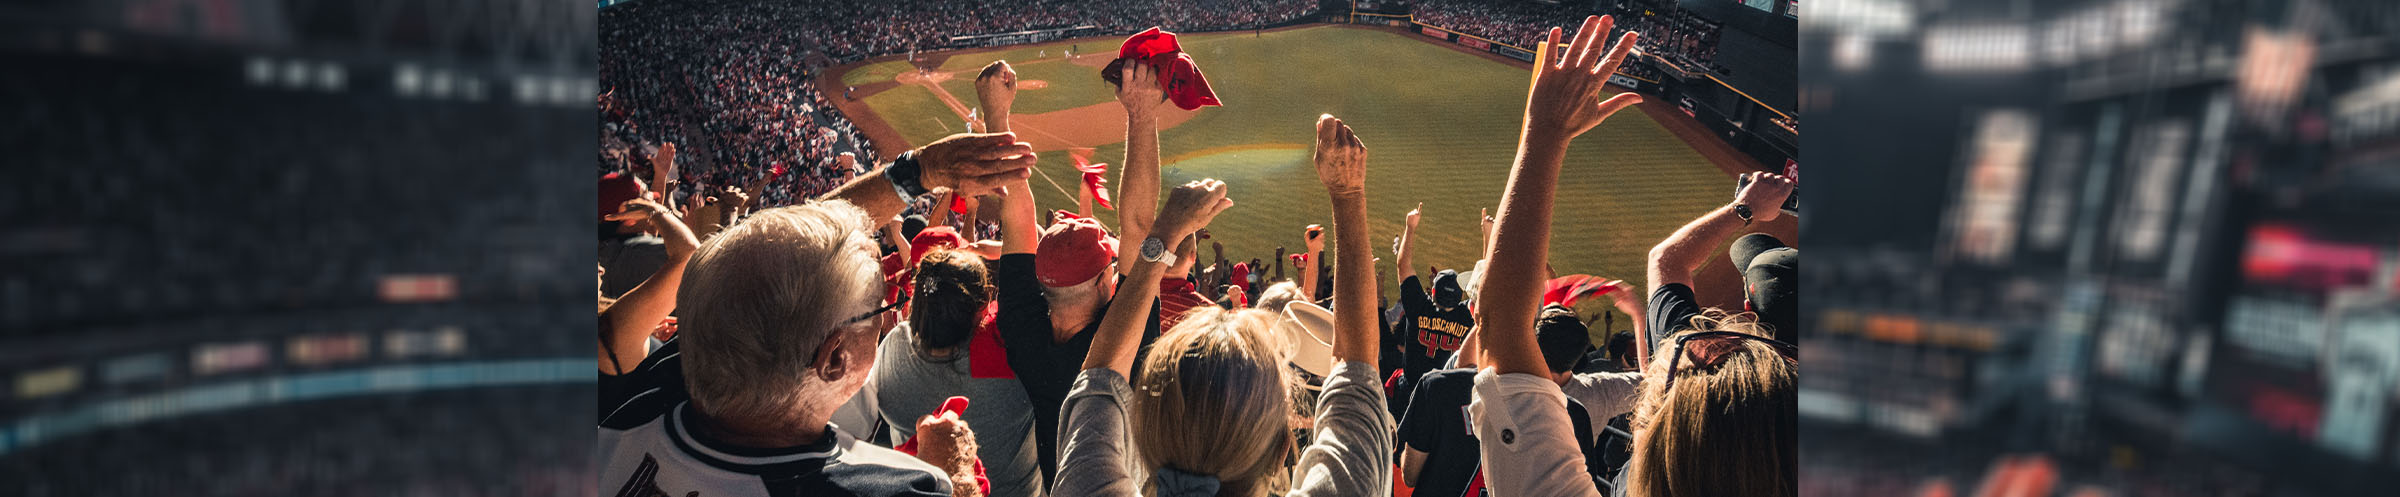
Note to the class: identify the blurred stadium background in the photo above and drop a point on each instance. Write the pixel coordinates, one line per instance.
(2124, 247)
(295, 247)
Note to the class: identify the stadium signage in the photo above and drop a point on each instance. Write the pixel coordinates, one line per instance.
(1477, 43)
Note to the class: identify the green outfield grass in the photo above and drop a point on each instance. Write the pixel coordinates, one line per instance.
(1441, 126)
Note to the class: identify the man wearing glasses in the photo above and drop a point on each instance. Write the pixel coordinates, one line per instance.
(778, 322)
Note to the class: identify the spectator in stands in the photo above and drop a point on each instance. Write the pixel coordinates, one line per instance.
(1177, 294)
(1442, 456)
(1054, 284)
(1432, 325)
(947, 348)
(1197, 426)
(1769, 269)
(626, 323)
(780, 316)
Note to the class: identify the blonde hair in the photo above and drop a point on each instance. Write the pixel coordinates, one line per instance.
(1727, 429)
(1207, 387)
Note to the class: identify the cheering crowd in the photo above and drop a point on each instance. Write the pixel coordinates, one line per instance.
(789, 351)
(730, 80)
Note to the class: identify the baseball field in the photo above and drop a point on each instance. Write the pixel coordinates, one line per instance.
(1441, 125)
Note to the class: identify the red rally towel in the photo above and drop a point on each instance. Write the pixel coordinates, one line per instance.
(1095, 179)
(1176, 71)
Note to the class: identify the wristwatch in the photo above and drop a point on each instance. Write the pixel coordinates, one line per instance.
(1154, 250)
(1742, 211)
(904, 174)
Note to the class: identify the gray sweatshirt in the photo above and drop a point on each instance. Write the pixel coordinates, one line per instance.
(1351, 454)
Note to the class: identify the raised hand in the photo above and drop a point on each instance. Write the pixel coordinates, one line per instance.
(662, 165)
(974, 164)
(1487, 223)
(1140, 93)
(996, 87)
(1341, 159)
(1765, 195)
(1566, 82)
(681, 243)
(1189, 208)
(1414, 215)
(1315, 236)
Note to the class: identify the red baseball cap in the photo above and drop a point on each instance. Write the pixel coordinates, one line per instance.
(1074, 250)
(933, 238)
(615, 189)
(1176, 72)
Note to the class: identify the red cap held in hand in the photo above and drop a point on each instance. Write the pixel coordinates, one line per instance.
(1181, 78)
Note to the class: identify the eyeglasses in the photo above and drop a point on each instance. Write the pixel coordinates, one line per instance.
(1709, 348)
(895, 305)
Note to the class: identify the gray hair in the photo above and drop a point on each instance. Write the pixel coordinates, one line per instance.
(1279, 296)
(759, 298)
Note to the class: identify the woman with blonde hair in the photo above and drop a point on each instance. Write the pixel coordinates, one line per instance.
(1209, 412)
(1717, 410)
(1719, 416)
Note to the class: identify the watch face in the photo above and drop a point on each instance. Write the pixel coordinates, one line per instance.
(1152, 248)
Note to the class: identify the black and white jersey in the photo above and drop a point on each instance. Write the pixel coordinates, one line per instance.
(648, 447)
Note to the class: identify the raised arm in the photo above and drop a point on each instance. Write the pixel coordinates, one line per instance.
(662, 174)
(972, 164)
(1312, 260)
(1630, 302)
(995, 93)
(641, 308)
(1674, 259)
(1137, 187)
(1342, 165)
(1405, 251)
(1188, 209)
(1563, 103)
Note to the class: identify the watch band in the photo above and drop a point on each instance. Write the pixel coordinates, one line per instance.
(905, 175)
(1166, 257)
(1742, 211)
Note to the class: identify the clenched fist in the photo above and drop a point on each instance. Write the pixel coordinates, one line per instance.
(1189, 208)
(1140, 93)
(1341, 159)
(1765, 195)
(996, 87)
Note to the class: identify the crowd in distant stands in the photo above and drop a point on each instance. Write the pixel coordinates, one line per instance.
(1672, 33)
(1514, 22)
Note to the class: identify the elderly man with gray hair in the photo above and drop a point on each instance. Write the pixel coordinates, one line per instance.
(778, 321)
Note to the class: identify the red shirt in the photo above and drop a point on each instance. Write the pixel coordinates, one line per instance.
(1175, 296)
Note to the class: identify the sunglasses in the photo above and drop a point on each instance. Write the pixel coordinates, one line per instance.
(1709, 348)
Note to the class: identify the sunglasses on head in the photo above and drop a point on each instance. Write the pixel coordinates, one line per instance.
(1709, 348)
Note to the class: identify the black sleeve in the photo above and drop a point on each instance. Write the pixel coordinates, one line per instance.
(1671, 309)
(1024, 314)
(645, 392)
(1413, 298)
(1421, 429)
